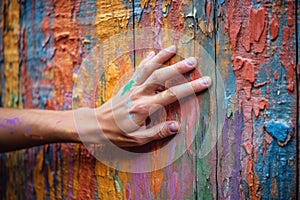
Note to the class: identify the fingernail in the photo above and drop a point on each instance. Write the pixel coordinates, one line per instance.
(190, 61)
(172, 128)
(205, 81)
(171, 49)
(152, 53)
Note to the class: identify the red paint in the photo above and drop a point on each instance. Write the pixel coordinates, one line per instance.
(26, 80)
(252, 30)
(287, 56)
(45, 27)
(176, 18)
(290, 13)
(257, 22)
(274, 27)
(66, 45)
(258, 29)
(233, 22)
(275, 75)
(207, 11)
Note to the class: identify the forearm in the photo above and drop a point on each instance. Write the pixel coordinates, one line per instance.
(21, 128)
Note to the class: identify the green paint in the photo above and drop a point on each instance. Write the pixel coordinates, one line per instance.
(204, 187)
(127, 87)
(117, 184)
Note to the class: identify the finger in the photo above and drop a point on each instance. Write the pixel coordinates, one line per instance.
(147, 58)
(160, 76)
(156, 132)
(177, 92)
(154, 63)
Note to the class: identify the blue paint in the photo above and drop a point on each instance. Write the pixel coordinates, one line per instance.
(165, 14)
(256, 4)
(134, 14)
(274, 163)
(46, 167)
(219, 5)
(85, 18)
(279, 130)
(31, 18)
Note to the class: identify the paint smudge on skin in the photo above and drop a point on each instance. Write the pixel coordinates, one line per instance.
(127, 87)
(10, 124)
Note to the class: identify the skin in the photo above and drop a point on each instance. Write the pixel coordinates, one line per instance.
(121, 119)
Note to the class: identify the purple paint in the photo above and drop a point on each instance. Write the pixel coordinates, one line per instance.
(128, 193)
(141, 181)
(172, 185)
(238, 127)
(10, 123)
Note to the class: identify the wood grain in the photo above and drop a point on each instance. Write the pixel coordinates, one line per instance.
(254, 45)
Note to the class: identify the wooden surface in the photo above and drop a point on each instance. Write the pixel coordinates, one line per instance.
(255, 47)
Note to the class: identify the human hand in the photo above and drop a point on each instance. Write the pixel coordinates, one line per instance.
(122, 118)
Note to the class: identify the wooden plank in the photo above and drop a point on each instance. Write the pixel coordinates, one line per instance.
(207, 137)
(262, 39)
(254, 48)
(157, 21)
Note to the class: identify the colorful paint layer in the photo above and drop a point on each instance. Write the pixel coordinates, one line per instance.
(255, 45)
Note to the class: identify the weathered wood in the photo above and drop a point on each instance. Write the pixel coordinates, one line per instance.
(255, 48)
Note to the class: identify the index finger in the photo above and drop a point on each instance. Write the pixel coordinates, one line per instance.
(147, 68)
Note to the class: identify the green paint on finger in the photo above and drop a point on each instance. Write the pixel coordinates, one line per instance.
(127, 87)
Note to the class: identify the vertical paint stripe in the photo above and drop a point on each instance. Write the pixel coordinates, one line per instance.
(11, 32)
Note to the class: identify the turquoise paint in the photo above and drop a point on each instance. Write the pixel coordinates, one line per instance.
(278, 130)
(127, 87)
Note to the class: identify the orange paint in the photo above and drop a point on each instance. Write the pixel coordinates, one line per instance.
(38, 177)
(66, 45)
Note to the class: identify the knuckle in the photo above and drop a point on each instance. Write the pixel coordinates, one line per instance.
(171, 94)
(155, 77)
(139, 107)
(147, 68)
(140, 141)
(160, 134)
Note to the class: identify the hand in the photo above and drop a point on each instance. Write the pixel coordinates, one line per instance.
(122, 118)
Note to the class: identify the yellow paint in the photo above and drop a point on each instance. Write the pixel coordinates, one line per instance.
(38, 177)
(58, 177)
(65, 159)
(11, 162)
(11, 31)
(76, 155)
(51, 183)
(106, 185)
(166, 3)
(111, 18)
(112, 76)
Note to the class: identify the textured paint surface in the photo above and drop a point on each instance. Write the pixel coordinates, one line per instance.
(255, 46)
